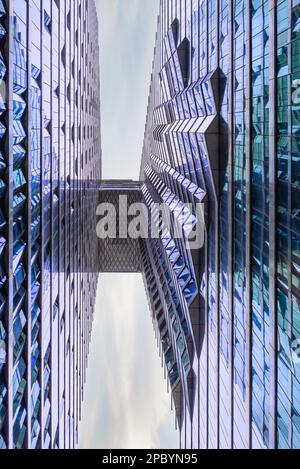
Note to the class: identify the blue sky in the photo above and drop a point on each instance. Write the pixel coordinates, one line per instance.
(126, 404)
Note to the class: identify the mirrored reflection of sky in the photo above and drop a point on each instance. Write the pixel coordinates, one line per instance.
(126, 404)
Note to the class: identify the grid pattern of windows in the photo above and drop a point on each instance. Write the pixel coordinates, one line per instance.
(260, 222)
(49, 175)
(288, 226)
(4, 271)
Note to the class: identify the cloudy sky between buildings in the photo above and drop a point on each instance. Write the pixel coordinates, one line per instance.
(126, 404)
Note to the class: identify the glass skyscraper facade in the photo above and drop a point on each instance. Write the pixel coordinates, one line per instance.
(49, 158)
(223, 129)
(223, 132)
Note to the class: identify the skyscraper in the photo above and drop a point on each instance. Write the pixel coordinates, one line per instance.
(223, 128)
(223, 131)
(50, 161)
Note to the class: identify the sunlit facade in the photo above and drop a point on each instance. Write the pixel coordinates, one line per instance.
(223, 127)
(49, 156)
